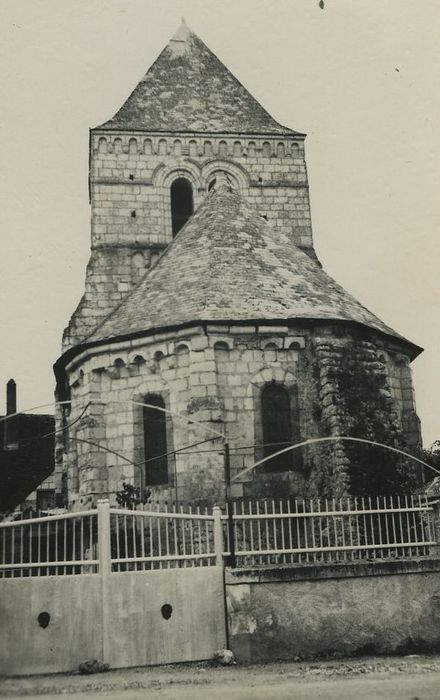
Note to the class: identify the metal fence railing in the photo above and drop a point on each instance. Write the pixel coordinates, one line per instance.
(163, 539)
(343, 530)
(50, 545)
(251, 533)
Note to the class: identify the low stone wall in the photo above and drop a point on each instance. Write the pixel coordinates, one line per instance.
(352, 609)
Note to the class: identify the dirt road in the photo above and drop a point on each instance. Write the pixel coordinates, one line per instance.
(407, 687)
(409, 678)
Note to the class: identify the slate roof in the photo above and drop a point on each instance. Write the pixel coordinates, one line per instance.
(188, 89)
(229, 264)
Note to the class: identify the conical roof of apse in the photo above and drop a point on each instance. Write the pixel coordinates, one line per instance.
(188, 89)
(229, 264)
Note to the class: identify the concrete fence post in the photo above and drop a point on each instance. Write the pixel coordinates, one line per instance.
(104, 558)
(218, 535)
(104, 554)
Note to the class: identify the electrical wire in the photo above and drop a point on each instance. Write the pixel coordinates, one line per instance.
(331, 439)
(28, 441)
(34, 408)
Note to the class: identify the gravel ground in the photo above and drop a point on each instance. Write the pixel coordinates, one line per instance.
(168, 679)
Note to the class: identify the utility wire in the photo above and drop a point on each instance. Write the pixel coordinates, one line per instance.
(27, 441)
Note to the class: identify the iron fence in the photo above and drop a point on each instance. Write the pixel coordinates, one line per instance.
(343, 530)
(261, 532)
(148, 539)
(50, 545)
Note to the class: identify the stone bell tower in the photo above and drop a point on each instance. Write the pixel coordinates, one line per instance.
(188, 122)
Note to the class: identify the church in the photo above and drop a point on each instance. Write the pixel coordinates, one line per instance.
(207, 316)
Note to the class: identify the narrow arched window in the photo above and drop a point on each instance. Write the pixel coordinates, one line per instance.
(155, 441)
(181, 203)
(279, 428)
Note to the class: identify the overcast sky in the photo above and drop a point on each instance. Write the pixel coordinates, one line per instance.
(362, 79)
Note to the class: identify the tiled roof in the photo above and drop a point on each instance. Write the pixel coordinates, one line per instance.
(229, 264)
(188, 89)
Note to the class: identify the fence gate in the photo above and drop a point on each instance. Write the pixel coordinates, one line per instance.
(131, 588)
(163, 589)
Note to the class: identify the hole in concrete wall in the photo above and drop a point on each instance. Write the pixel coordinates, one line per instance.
(131, 177)
(133, 214)
(166, 611)
(43, 619)
(264, 216)
(260, 179)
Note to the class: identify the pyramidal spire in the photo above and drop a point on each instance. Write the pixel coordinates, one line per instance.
(179, 41)
(189, 89)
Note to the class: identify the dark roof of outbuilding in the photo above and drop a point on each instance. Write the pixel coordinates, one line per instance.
(188, 89)
(229, 264)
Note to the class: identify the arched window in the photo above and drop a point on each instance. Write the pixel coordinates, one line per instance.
(181, 203)
(155, 441)
(279, 428)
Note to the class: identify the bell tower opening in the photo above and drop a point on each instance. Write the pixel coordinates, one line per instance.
(182, 206)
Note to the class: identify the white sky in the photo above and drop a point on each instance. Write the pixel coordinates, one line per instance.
(362, 79)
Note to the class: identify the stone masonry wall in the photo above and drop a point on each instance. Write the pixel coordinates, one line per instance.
(213, 378)
(402, 391)
(130, 179)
